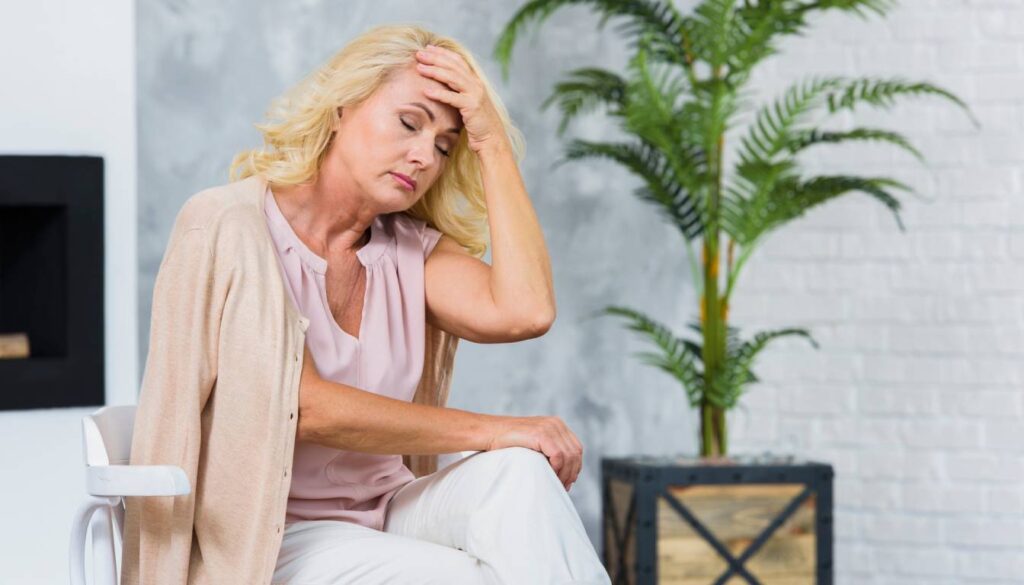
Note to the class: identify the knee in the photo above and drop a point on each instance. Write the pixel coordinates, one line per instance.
(522, 460)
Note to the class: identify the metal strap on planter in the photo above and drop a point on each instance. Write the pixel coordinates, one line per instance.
(736, 564)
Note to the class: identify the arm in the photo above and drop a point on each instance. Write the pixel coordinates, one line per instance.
(181, 367)
(348, 418)
(512, 300)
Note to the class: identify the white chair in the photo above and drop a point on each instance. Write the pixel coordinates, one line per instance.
(107, 442)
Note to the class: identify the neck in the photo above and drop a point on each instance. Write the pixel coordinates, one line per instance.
(327, 214)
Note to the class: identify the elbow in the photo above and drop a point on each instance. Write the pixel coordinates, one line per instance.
(310, 426)
(537, 324)
(308, 429)
(545, 320)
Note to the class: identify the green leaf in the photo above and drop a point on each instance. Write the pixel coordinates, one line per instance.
(791, 197)
(773, 128)
(659, 19)
(675, 356)
(883, 93)
(736, 374)
(653, 98)
(758, 28)
(663, 186)
(807, 138)
(714, 32)
(585, 90)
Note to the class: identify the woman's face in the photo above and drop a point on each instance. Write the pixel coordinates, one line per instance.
(397, 130)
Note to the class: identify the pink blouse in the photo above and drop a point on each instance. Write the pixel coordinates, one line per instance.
(386, 358)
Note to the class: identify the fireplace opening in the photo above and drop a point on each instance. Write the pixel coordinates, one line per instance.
(33, 281)
(51, 282)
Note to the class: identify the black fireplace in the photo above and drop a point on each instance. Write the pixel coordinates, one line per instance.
(51, 281)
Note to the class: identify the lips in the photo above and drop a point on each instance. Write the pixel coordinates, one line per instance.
(405, 180)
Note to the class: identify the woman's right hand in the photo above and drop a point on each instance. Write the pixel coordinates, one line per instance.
(548, 435)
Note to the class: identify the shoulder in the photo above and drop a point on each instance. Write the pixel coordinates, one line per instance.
(240, 201)
(426, 236)
(229, 217)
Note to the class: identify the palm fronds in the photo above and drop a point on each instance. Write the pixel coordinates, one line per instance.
(659, 19)
(587, 89)
(682, 91)
(806, 138)
(675, 356)
(663, 186)
(736, 375)
(791, 197)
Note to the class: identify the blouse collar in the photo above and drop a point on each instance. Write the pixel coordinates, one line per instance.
(286, 239)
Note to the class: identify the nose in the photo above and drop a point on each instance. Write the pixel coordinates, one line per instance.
(422, 152)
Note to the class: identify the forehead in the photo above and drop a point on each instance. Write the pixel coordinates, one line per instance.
(407, 85)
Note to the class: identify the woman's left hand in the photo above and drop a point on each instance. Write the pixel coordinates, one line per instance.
(480, 118)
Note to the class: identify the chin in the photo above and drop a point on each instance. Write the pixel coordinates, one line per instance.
(399, 201)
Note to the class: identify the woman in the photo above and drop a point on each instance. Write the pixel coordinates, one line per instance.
(304, 324)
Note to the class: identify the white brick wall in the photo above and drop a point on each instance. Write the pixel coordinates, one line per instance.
(916, 394)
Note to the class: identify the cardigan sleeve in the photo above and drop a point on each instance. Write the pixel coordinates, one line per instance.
(180, 373)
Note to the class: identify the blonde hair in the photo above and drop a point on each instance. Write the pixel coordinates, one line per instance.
(298, 129)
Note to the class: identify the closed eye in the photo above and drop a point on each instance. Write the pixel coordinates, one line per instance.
(411, 129)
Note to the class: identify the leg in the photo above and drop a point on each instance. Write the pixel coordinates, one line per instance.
(507, 508)
(330, 552)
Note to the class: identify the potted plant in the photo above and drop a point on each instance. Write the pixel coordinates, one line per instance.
(685, 87)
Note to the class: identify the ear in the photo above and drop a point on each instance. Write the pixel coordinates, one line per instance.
(335, 128)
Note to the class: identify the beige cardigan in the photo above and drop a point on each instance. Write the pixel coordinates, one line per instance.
(220, 395)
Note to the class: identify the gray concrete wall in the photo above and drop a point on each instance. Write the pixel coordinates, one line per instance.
(208, 70)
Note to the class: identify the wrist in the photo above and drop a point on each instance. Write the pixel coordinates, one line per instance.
(488, 429)
(496, 148)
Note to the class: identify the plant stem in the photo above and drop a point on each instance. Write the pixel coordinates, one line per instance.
(713, 324)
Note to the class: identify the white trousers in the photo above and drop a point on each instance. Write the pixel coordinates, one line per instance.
(496, 517)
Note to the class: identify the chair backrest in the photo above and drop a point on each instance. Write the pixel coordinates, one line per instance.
(107, 435)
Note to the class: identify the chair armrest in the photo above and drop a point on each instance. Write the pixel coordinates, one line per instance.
(136, 480)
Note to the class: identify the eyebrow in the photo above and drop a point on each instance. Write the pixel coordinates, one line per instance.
(430, 114)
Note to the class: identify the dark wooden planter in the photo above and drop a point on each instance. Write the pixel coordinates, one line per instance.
(683, 521)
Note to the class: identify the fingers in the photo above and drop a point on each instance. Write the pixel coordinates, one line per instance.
(571, 467)
(578, 455)
(551, 437)
(446, 76)
(444, 67)
(567, 452)
(453, 98)
(434, 54)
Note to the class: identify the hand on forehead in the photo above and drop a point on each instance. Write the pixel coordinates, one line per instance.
(408, 86)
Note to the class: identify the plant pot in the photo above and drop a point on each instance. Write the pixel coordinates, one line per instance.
(737, 520)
